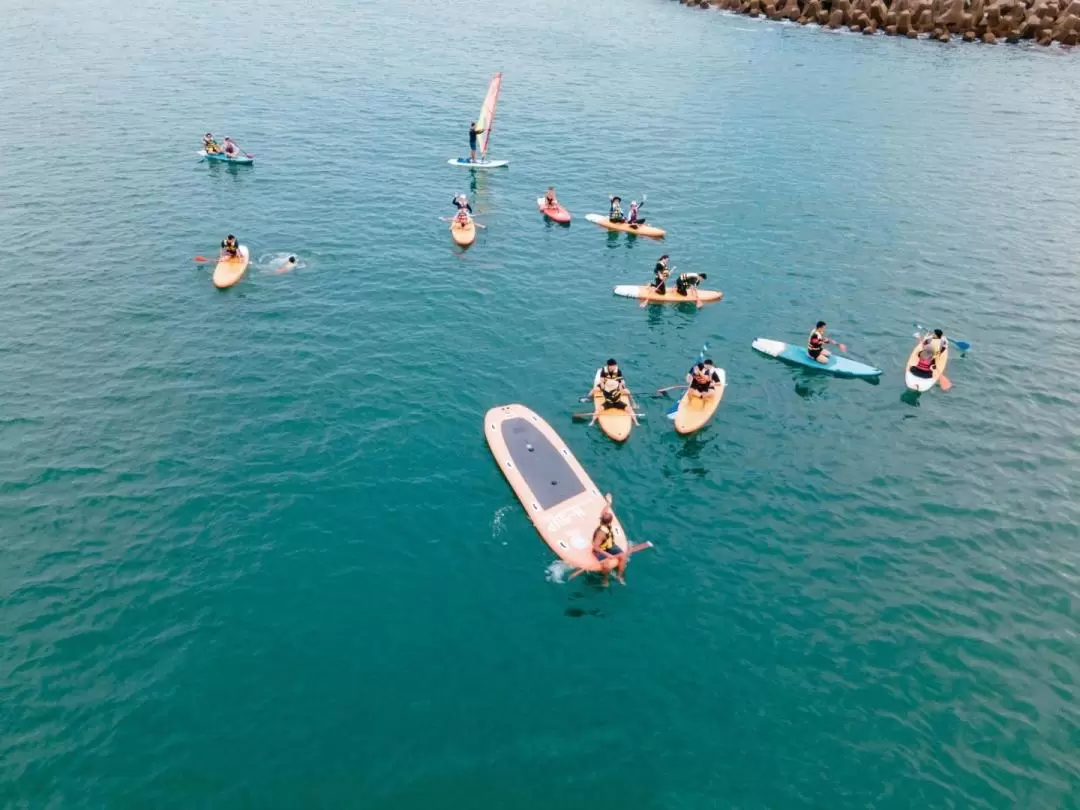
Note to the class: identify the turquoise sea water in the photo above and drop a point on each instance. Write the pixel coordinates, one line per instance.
(255, 551)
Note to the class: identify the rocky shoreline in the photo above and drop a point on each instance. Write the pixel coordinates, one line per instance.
(1042, 21)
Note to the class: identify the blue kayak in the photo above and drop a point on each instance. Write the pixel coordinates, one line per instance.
(223, 158)
(840, 366)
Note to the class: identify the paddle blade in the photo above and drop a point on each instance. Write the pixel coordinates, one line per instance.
(644, 303)
(944, 382)
(842, 347)
(962, 345)
(202, 259)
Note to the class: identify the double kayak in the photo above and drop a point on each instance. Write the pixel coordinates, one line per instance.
(555, 213)
(463, 235)
(638, 230)
(615, 422)
(229, 271)
(840, 366)
(917, 382)
(695, 411)
(560, 499)
(242, 160)
(646, 292)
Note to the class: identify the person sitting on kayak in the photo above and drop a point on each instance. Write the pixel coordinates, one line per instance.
(462, 217)
(616, 214)
(936, 342)
(687, 281)
(604, 546)
(702, 377)
(230, 148)
(632, 217)
(209, 145)
(550, 200)
(230, 248)
(473, 133)
(461, 202)
(660, 275)
(609, 382)
(815, 346)
(925, 364)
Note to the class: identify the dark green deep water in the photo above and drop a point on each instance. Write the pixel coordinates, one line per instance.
(255, 552)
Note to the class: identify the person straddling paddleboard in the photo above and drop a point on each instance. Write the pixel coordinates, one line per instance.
(463, 217)
(689, 281)
(604, 546)
(660, 275)
(230, 248)
(473, 134)
(702, 377)
(815, 346)
(615, 214)
(209, 145)
(609, 382)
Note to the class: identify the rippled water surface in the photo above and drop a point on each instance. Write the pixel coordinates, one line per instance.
(255, 550)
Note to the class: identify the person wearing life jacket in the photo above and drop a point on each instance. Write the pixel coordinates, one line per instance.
(702, 377)
(609, 382)
(209, 145)
(632, 217)
(230, 149)
(474, 132)
(463, 217)
(924, 365)
(660, 275)
(687, 281)
(230, 248)
(936, 342)
(815, 345)
(616, 214)
(604, 546)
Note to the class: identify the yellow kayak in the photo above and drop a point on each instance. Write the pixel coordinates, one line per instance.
(637, 230)
(463, 235)
(615, 422)
(695, 411)
(229, 271)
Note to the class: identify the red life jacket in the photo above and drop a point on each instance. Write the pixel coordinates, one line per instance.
(925, 364)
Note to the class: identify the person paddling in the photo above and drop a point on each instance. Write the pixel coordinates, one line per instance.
(689, 281)
(604, 546)
(230, 149)
(702, 379)
(815, 345)
(660, 275)
(230, 248)
(936, 342)
(474, 132)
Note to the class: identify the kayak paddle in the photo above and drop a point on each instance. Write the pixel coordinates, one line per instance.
(203, 259)
(581, 417)
(662, 391)
(944, 383)
(632, 550)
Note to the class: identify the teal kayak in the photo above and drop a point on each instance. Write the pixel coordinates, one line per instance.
(221, 157)
(840, 366)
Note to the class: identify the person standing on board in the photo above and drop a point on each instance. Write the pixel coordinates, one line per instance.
(604, 546)
(473, 133)
(815, 346)
(660, 275)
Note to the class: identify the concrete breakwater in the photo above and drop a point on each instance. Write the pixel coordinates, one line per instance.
(1043, 21)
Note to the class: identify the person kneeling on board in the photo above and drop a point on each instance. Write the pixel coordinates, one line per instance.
(815, 346)
(660, 275)
(702, 378)
(615, 214)
(609, 382)
(230, 248)
(632, 217)
(687, 281)
(604, 546)
(209, 145)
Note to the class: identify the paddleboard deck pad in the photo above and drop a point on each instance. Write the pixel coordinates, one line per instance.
(840, 366)
(559, 497)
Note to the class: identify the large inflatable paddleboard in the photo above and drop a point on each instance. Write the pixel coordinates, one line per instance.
(615, 422)
(840, 366)
(556, 214)
(917, 382)
(644, 291)
(463, 235)
(242, 160)
(695, 411)
(479, 164)
(638, 230)
(561, 500)
(229, 271)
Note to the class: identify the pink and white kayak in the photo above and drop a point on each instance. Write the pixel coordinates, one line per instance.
(555, 213)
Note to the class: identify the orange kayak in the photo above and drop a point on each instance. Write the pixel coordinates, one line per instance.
(638, 230)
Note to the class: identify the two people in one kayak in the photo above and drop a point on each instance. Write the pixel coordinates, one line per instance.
(932, 346)
(611, 385)
(684, 282)
(818, 340)
(632, 218)
(703, 379)
(604, 546)
(228, 148)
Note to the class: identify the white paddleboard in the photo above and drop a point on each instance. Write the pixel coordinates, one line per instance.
(479, 164)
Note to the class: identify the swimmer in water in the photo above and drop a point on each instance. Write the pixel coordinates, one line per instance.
(289, 265)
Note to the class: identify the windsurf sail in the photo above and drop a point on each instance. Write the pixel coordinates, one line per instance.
(487, 113)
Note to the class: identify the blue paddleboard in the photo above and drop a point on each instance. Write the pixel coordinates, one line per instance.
(840, 366)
